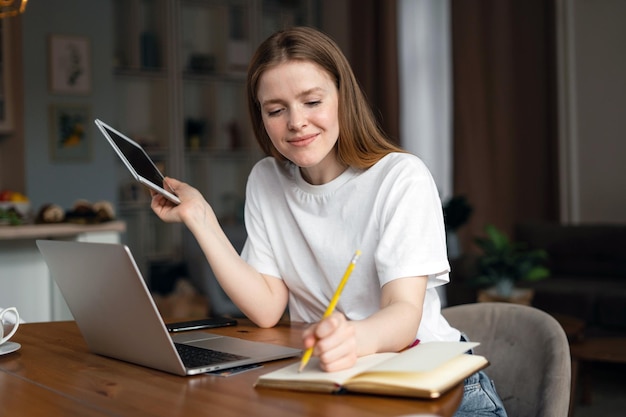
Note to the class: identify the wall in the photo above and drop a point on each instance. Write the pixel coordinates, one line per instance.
(592, 174)
(62, 183)
(593, 122)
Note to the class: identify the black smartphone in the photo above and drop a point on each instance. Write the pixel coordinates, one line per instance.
(208, 323)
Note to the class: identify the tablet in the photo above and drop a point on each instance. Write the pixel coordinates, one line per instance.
(137, 161)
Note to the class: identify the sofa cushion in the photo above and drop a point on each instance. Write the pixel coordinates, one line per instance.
(564, 295)
(596, 250)
(611, 309)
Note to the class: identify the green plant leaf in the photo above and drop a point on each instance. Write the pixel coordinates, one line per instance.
(538, 273)
(503, 259)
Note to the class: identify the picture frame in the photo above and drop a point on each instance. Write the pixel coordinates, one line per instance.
(70, 139)
(69, 64)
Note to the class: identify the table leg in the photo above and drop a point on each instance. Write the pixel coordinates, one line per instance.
(574, 380)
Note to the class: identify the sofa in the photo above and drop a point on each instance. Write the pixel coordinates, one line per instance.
(588, 274)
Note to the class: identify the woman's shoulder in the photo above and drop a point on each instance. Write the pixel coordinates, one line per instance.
(270, 166)
(265, 163)
(400, 162)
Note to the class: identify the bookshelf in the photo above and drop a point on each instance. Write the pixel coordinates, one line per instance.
(180, 69)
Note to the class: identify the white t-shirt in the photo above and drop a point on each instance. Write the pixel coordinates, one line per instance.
(307, 234)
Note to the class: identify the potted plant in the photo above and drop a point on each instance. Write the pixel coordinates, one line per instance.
(504, 263)
(456, 212)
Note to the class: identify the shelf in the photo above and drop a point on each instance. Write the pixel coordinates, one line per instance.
(140, 26)
(200, 77)
(221, 154)
(157, 74)
(182, 90)
(57, 230)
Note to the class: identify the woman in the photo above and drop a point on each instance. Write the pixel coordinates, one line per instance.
(331, 183)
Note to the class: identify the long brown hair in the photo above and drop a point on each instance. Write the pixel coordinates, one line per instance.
(361, 141)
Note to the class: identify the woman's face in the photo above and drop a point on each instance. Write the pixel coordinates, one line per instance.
(300, 109)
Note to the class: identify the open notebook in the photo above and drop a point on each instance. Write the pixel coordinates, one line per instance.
(427, 370)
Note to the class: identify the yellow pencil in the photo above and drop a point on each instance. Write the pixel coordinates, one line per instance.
(333, 303)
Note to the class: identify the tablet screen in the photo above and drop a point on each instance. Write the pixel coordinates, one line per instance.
(137, 161)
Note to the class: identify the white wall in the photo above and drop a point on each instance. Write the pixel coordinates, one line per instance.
(592, 69)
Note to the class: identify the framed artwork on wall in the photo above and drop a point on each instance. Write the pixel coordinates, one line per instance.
(69, 64)
(69, 133)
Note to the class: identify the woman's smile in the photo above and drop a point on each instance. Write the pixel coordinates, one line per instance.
(300, 108)
(303, 140)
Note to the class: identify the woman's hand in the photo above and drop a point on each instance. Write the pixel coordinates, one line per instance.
(334, 341)
(338, 342)
(193, 206)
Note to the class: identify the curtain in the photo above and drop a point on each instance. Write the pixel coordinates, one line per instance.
(504, 124)
(425, 80)
(407, 42)
(374, 58)
(505, 136)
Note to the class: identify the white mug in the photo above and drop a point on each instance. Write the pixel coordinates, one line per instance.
(8, 328)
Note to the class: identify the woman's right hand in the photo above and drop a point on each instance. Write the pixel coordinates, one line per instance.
(193, 206)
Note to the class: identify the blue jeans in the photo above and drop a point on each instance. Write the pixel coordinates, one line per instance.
(480, 397)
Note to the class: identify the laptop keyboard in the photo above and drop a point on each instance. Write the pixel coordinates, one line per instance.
(194, 357)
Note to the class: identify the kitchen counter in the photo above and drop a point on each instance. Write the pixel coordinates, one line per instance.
(58, 230)
(25, 281)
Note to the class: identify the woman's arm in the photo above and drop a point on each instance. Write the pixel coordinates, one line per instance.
(339, 342)
(261, 298)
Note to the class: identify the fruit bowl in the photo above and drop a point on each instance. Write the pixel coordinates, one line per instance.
(22, 207)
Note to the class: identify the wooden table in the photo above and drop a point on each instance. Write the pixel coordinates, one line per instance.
(600, 349)
(54, 374)
(573, 327)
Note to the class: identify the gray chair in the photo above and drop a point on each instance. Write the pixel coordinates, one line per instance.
(528, 353)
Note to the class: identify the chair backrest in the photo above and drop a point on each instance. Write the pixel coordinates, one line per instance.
(528, 353)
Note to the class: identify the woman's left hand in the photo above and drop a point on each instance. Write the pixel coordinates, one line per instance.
(334, 341)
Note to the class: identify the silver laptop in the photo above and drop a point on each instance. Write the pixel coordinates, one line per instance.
(118, 318)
